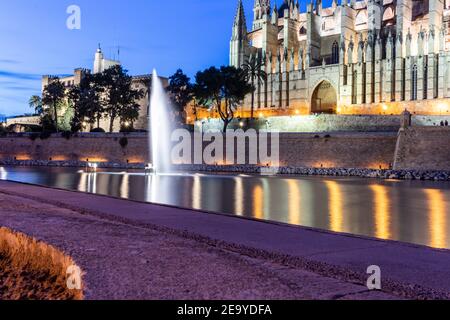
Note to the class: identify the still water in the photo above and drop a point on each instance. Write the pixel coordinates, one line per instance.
(409, 211)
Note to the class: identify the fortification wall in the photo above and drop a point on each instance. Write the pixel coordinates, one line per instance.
(93, 147)
(352, 150)
(426, 148)
(327, 123)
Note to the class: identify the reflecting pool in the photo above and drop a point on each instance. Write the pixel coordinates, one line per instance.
(409, 211)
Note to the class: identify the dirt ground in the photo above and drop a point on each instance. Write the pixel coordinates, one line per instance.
(122, 261)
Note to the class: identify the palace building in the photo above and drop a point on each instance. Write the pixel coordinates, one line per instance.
(140, 82)
(355, 57)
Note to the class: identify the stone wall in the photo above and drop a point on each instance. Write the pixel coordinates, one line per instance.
(327, 123)
(339, 150)
(97, 147)
(355, 150)
(426, 148)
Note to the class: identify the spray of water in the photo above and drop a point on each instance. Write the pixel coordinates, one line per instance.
(160, 129)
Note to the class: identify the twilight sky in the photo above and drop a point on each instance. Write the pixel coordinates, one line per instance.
(166, 35)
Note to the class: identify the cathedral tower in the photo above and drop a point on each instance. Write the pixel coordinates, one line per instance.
(261, 9)
(239, 41)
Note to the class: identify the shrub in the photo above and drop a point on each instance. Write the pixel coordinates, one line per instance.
(98, 130)
(34, 136)
(123, 142)
(45, 135)
(327, 136)
(66, 134)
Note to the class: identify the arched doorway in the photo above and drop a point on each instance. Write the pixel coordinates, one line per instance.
(324, 99)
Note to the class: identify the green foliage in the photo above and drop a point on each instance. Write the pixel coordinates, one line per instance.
(45, 135)
(68, 114)
(181, 93)
(34, 136)
(47, 123)
(53, 95)
(66, 134)
(123, 142)
(222, 89)
(120, 97)
(253, 69)
(86, 100)
(35, 102)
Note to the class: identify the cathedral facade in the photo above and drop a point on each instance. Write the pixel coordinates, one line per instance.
(355, 57)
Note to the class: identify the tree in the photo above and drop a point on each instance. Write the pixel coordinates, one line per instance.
(254, 73)
(35, 102)
(181, 92)
(223, 89)
(53, 95)
(119, 96)
(86, 101)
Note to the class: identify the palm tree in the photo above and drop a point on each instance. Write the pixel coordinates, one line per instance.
(35, 102)
(253, 69)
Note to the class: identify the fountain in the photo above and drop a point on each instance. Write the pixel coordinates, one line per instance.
(160, 128)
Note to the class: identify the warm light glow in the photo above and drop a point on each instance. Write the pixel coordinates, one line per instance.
(382, 211)
(335, 206)
(239, 196)
(442, 107)
(23, 157)
(338, 109)
(124, 186)
(294, 202)
(241, 124)
(59, 158)
(94, 159)
(437, 218)
(385, 107)
(197, 193)
(258, 202)
(261, 115)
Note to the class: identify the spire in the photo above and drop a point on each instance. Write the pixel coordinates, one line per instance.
(261, 10)
(240, 24)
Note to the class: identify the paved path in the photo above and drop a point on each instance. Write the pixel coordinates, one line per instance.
(136, 250)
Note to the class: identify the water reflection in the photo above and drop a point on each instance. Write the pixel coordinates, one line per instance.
(294, 202)
(437, 218)
(258, 202)
(382, 211)
(239, 196)
(413, 212)
(335, 206)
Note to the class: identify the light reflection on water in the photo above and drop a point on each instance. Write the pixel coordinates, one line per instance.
(414, 212)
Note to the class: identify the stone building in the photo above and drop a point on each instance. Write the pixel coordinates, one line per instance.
(355, 57)
(142, 82)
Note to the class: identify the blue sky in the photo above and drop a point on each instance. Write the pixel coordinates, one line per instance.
(166, 35)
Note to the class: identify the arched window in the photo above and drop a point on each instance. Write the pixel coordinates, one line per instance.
(302, 30)
(414, 83)
(335, 53)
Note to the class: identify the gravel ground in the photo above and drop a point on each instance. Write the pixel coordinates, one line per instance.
(121, 261)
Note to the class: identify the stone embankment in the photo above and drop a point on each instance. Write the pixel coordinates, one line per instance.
(429, 175)
(342, 172)
(71, 163)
